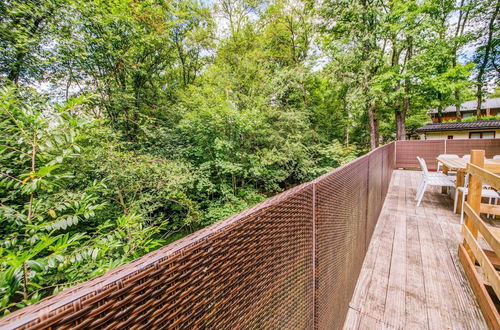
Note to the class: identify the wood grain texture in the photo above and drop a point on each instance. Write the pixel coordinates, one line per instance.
(489, 272)
(481, 171)
(490, 234)
(411, 276)
(455, 164)
(487, 305)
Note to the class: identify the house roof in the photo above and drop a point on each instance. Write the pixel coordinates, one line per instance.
(461, 126)
(471, 105)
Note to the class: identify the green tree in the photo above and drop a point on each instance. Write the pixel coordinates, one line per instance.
(26, 27)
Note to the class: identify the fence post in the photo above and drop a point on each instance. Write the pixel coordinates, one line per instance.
(474, 195)
(314, 255)
(367, 202)
(395, 153)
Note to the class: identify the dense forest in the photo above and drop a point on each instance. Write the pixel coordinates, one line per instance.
(127, 124)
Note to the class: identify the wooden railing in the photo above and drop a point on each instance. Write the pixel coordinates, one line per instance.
(485, 279)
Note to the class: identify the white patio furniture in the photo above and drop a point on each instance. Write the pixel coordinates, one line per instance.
(466, 157)
(496, 157)
(491, 194)
(430, 179)
(439, 164)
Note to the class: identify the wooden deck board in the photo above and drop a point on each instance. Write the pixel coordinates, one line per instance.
(411, 277)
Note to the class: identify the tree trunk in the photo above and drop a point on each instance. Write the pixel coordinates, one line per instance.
(440, 115)
(374, 134)
(484, 62)
(401, 115)
(462, 20)
(400, 126)
(457, 106)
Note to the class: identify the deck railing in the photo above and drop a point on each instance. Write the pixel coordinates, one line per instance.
(289, 262)
(406, 151)
(487, 284)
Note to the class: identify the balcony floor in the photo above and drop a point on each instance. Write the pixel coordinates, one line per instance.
(411, 277)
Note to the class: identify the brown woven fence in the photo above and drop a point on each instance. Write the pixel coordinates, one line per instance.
(291, 262)
(406, 151)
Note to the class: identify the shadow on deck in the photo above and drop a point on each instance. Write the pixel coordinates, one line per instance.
(411, 276)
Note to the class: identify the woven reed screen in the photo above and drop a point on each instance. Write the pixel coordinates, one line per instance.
(491, 147)
(291, 262)
(406, 151)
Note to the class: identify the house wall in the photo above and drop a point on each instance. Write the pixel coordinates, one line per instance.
(453, 116)
(456, 134)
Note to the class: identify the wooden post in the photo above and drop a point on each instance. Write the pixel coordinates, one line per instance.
(474, 195)
(460, 183)
(444, 190)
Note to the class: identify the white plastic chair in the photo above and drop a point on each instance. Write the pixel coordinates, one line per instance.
(441, 164)
(492, 195)
(496, 157)
(466, 157)
(430, 179)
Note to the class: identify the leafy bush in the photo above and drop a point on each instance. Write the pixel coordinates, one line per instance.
(74, 202)
(474, 118)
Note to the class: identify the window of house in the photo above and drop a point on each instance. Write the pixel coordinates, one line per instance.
(482, 135)
(467, 115)
(450, 137)
(475, 135)
(488, 135)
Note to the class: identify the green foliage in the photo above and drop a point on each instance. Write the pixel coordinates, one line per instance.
(474, 118)
(127, 124)
(25, 28)
(37, 215)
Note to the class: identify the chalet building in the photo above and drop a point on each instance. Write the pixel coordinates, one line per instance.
(490, 107)
(481, 129)
(450, 129)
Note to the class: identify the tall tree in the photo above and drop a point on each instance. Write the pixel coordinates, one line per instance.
(25, 31)
(354, 27)
(464, 10)
(135, 55)
(485, 51)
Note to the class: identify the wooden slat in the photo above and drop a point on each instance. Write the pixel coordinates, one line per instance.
(490, 209)
(490, 312)
(460, 183)
(494, 259)
(495, 231)
(489, 234)
(437, 295)
(352, 320)
(474, 195)
(361, 292)
(437, 311)
(465, 296)
(485, 175)
(493, 168)
(377, 291)
(449, 285)
(396, 288)
(415, 301)
(490, 273)
(455, 164)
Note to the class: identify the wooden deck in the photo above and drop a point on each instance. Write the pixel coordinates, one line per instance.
(411, 277)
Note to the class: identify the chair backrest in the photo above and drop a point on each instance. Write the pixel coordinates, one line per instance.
(448, 156)
(423, 166)
(466, 157)
(496, 157)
